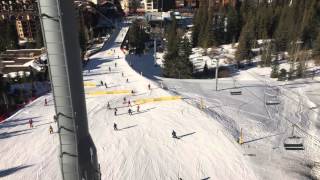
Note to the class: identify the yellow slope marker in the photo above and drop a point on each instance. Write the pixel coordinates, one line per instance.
(109, 92)
(149, 100)
(89, 84)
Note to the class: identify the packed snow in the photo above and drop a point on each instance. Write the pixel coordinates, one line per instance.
(142, 148)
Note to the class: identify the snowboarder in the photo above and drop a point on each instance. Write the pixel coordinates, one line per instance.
(108, 106)
(174, 135)
(50, 129)
(138, 108)
(109, 69)
(115, 64)
(130, 111)
(115, 127)
(127, 80)
(149, 86)
(45, 102)
(31, 123)
(105, 85)
(101, 83)
(115, 111)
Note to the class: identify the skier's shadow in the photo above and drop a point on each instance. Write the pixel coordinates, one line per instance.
(128, 127)
(179, 137)
(144, 111)
(206, 178)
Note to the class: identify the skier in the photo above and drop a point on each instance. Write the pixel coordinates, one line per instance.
(108, 106)
(138, 108)
(50, 129)
(115, 111)
(31, 123)
(105, 85)
(149, 86)
(45, 102)
(127, 80)
(101, 82)
(130, 111)
(109, 69)
(174, 135)
(115, 127)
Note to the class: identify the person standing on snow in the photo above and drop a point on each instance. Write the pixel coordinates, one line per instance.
(115, 127)
(31, 123)
(108, 106)
(127, 80)
(129, 103)
(174, 135)
(149, 86)
(101, 83)
(115, 111)
(115, 64)
(105, 85)
(122, 74)
(138, 108)
(109, 69)
(45, 102)
(50, 129)
(130, 111)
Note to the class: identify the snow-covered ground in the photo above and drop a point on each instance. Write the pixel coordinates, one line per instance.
(142, 148)
(265, 128)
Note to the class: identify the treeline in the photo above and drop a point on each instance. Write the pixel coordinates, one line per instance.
(287, 23)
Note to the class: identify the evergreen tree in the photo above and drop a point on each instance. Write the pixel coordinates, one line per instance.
(233, 25)
(282, 75)
(310, 22)
(275, 69)
(137, 36)
(246, 42)
(316, 48)
(266, 54)
(176, 60)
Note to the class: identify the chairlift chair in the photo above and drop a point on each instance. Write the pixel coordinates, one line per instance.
(272, 102)
(293, 142)
(236, 92)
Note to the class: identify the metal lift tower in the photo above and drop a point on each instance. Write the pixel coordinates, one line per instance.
(78, 157)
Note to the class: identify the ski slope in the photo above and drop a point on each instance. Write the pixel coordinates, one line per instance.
(142, 148)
